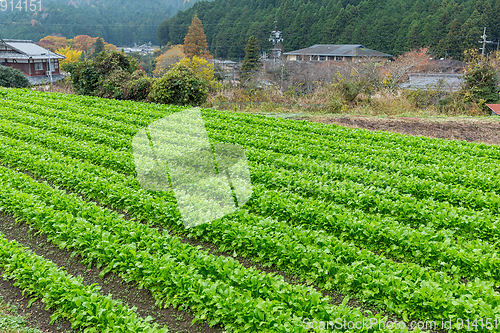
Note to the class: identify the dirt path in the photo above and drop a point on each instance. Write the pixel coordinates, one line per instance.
(468, 129)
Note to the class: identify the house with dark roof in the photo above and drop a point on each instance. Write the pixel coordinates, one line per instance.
(332, 52)
(31, 59)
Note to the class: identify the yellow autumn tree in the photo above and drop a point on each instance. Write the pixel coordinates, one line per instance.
(201, 68)
(195, 42)
(167, 59)
(71, 55)
(108, 47)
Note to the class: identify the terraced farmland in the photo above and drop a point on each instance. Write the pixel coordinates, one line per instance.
(346, 229)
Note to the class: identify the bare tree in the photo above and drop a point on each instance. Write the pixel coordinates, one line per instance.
(412, 61)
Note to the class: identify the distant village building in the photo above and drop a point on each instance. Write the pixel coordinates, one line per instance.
(225, 65)
(425, 81)
(141, 49)
(324, 52)
(31, 59)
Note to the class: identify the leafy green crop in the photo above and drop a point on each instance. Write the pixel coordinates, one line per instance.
(408, 225)
(70, 299)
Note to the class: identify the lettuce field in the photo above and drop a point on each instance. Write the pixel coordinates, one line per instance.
(346, 229)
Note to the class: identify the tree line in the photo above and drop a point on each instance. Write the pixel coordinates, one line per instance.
(448, 27)
(120, 22)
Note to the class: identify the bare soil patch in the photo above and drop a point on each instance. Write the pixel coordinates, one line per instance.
(471, 130)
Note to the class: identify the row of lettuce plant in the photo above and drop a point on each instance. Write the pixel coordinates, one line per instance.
(218, 289)
(70, 299)
(442, 170)
(456, 171)
(406, 209)
(440, 250)
(121, 160)
(423, 249)
(393, 140)
(413, 168)
(469, 223)
(303, 250)
(304, 127)
(61, 126)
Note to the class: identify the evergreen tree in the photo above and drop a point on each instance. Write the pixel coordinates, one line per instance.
(472, 31)
(195, 42)
(414, 37)
(162, 33)
(442, 25)
(98, 46)
(389, 26)
(451, 45)
(481, 82)
(252, 58)
(495, 19)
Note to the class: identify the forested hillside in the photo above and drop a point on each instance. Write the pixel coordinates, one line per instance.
(120, 22)
(391, 26)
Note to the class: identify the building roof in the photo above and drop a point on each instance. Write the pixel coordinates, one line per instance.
(335, 50)
(26, 49)
(224, 62)
(495, 108)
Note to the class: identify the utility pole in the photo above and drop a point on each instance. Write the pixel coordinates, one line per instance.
(281, 88)
(276, 38)
(49, 65)
(484, 41)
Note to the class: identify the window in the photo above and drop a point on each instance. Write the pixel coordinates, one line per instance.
(38, 66)
(55, 65)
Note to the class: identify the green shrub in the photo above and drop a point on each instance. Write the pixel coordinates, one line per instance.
(180, 86)
(425, 98)
(115, 85)
(101, 76)
(139, 86)
(480, 83)
(12, 78)
(350, 90)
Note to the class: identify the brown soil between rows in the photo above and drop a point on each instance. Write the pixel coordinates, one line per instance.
(470, 130)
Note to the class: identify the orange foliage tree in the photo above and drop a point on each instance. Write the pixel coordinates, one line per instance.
(83, 43)
(54, 43)
(412, 61)
(167, 59)
(195, 42)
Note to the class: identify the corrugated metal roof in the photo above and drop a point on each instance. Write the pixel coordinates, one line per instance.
(28, 50)
(335, 50)
(12, 55)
